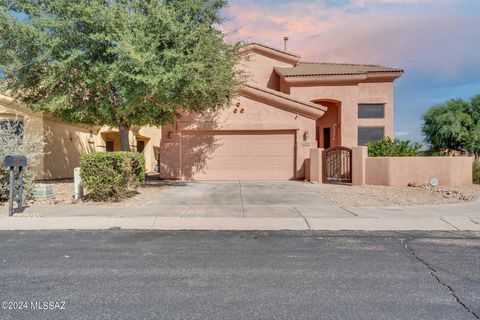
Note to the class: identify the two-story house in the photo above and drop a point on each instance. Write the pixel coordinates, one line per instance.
(286, 108)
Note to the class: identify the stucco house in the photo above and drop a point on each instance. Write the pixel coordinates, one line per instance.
(65, 143)
(286, 108)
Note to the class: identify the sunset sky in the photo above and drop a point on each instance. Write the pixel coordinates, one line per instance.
(436, 42)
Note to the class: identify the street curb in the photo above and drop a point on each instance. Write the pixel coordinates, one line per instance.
(151, 223)
(239, 224)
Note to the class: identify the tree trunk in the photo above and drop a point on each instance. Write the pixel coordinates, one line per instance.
(124, 131)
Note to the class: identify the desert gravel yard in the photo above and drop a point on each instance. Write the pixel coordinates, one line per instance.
(63, 191)
(382, 196)
(340, 195)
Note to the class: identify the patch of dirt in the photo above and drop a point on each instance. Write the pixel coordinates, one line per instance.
(63, 191)
(382, 196)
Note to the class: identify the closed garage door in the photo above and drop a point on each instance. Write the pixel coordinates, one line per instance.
(238, 155)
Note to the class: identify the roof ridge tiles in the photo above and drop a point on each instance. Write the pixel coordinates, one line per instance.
(342, 64)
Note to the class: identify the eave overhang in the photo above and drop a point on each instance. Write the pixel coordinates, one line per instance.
(341, 78)
(283, 101)
(270, 52)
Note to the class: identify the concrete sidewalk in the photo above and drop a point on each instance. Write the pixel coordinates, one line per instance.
(465, 217)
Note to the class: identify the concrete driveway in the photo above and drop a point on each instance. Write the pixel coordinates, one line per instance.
(243, 205)
(285, 199)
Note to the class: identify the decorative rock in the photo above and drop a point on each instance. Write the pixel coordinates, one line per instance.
(43, 191)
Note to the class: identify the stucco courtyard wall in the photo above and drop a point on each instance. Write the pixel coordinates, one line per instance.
(401, 171)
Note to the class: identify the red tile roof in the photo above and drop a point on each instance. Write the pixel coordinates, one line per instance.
(308, 69)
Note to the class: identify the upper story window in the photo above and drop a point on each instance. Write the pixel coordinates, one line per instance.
(367, 134)
(371, 111)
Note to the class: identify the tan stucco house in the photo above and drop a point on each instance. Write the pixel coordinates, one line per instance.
(286, 108)
(65, 143)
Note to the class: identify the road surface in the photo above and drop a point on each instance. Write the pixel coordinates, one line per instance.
(121, 274)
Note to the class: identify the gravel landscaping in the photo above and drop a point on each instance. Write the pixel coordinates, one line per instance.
(341, 195)
(382, 196)
(63, 191)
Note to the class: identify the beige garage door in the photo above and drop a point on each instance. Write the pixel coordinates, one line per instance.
(238, 155)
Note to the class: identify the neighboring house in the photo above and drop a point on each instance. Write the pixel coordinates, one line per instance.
(65, 143)
(286, 108)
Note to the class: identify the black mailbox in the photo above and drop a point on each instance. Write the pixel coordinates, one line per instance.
(15, 161)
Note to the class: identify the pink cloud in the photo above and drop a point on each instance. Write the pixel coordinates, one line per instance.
(434, 35)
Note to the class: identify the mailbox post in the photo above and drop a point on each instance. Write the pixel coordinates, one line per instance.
(16, 189)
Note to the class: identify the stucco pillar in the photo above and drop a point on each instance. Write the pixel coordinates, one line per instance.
(359, 154)
(316, 168)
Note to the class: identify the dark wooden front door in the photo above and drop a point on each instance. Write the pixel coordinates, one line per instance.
(326, 138)
(337, 165)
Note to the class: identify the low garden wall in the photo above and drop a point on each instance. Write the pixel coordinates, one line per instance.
(400, 171)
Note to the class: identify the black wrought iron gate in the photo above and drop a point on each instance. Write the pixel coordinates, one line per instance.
(337, 165)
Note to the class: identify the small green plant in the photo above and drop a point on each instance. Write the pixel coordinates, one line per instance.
(387, 147)
(476, 171)
(112, 175)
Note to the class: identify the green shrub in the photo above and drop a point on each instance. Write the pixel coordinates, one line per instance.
(387, 147)
(112, 175)
(476, 171)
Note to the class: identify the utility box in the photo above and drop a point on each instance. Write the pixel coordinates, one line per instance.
(43, 191)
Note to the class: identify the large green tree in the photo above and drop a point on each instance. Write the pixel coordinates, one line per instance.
(454, 125)
(117, 62)
(474, 145)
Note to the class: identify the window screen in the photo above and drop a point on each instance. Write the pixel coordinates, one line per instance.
(371, 111)
(12, 125)
(367, 134)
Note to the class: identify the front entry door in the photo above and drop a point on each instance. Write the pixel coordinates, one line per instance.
(326, 138)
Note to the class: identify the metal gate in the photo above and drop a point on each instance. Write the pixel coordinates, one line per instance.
(337, 165)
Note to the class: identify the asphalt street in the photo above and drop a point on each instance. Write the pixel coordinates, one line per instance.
(119, 274)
